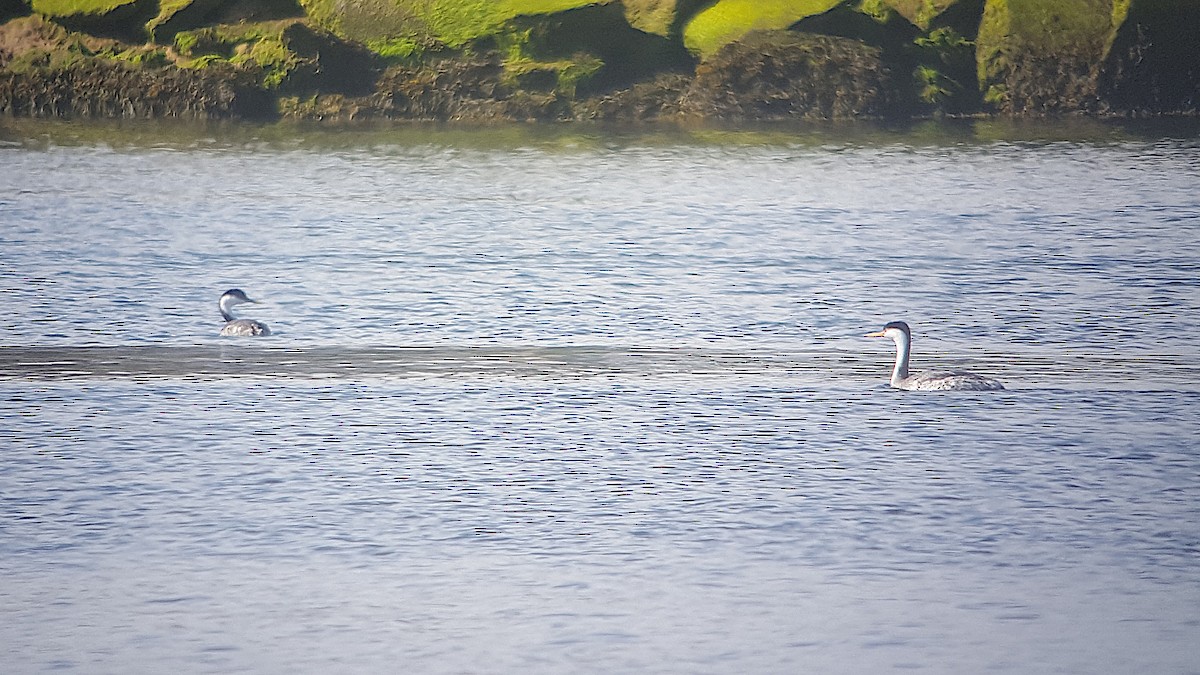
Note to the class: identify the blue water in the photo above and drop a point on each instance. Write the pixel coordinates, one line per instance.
(552, 400)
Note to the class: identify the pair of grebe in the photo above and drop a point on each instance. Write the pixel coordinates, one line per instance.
(898, 331)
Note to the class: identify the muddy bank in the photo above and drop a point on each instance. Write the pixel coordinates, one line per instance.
(576, 60)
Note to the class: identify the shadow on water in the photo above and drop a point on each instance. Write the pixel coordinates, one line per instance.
(1070, 370)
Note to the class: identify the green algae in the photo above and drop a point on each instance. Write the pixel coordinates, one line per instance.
(459, 22)
(729, 20)
(258, 44)
(657, 17)
(561, 77)
(454, 23)
(74, 7)
(945, 73)
(167, 9)
(920, 12)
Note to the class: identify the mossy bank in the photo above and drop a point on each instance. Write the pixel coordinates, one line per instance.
(486, 60)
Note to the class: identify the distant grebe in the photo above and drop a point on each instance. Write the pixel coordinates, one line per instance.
(900, 333)
(239, 327)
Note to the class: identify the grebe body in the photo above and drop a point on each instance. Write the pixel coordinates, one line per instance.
(901, 334)
(239, 327)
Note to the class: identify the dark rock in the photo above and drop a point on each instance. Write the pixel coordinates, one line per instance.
(629, 55)
(962, 17)
(200, 13)
(1153, 66)
(783, 75)
(658, 99)
(126, 23)
(105, 89)
(13, 8)
(467, 88)
(891, 35)
(328, 64)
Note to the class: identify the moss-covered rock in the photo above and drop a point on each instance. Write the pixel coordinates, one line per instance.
(661, 17)
(596, 49)
(33, 33)
(287, 56)
(921, 13)
(35, 43)
(455, 23)
(789, 75)
(1042, 56)
(729, 20)
(604, 59)
(58, 8)
(657, 17)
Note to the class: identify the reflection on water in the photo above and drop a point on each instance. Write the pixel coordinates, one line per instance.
(581, 401)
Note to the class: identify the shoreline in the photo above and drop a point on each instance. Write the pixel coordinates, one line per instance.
(591, 64)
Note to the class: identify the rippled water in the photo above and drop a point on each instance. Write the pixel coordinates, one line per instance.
(546, 400)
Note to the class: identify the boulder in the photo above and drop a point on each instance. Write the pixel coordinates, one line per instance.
(788, 75)
(658, 99)
(98, 88)
(597, 46)
(288, 56)
(1043, 56)
(1153, 64)
(465, 88)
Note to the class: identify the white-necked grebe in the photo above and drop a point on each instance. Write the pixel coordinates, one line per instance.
(239, 327)
(900, 333)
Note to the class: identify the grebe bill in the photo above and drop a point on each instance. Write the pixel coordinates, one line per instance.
(239, 327)
(901, 334)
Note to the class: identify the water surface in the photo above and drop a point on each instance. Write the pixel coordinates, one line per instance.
(545, 400)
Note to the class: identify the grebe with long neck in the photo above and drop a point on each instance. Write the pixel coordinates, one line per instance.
(901, 334)
(239, 327)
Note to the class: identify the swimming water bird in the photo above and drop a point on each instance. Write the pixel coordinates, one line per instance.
(901, 334)
(239, 327)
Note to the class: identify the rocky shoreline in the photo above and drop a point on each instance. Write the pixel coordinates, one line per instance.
(855, 59)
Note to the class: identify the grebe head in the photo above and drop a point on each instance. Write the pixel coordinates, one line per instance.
(229, 298)
(234, 296)
(898, 331)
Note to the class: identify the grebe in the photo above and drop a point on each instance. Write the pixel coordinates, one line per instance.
(900, 333)
(239, 327)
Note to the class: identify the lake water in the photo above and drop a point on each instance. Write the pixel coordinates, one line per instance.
(575, 400)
